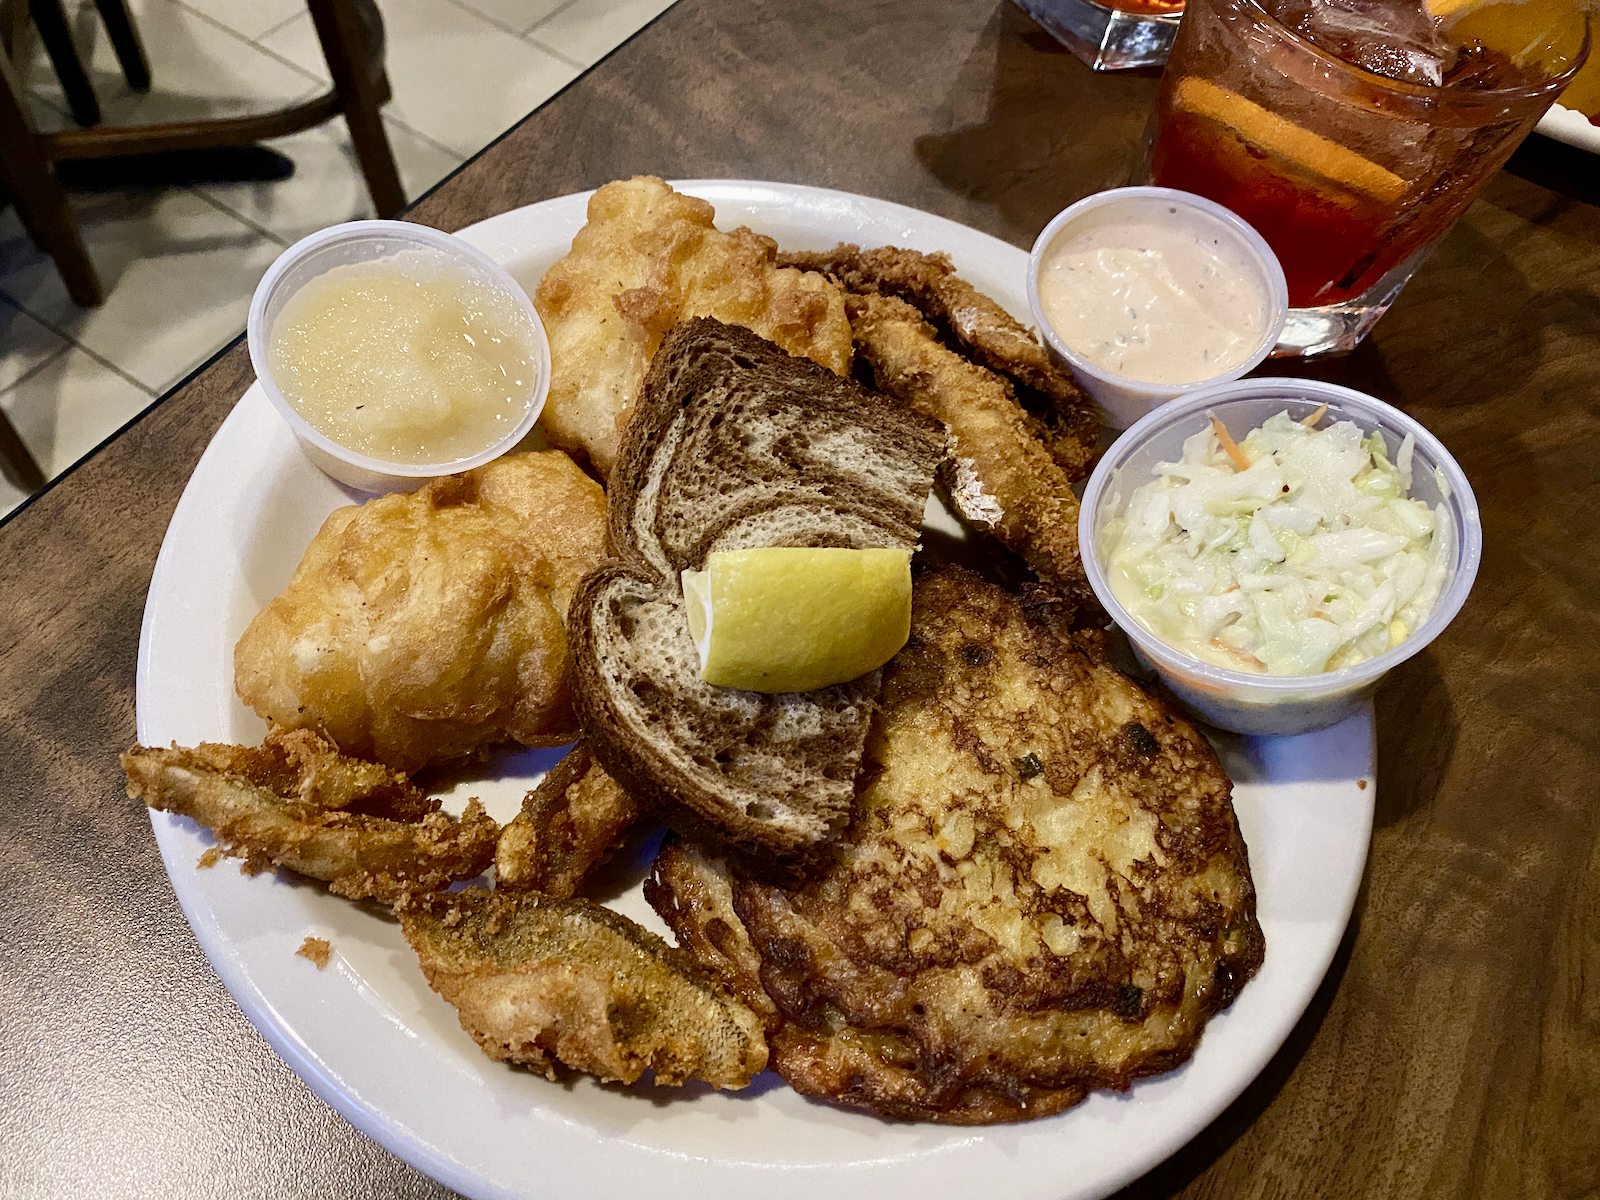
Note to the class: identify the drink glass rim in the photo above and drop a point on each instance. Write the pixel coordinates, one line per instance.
(1422, 91)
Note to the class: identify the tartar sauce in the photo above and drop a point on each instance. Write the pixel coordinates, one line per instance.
(406, 363)
(1154, 302)
(1294, 552)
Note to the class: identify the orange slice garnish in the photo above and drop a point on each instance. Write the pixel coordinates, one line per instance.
(1548, 33)
(1268, 131)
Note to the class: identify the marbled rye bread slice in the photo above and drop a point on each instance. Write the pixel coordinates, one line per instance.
(735, 444)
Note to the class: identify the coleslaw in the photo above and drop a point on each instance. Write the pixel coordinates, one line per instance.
(1292, 552)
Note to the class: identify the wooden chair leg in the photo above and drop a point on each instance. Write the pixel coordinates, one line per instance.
(351, 32)
(39, 198)
(125, 41)
(57, 39)
(18, 457)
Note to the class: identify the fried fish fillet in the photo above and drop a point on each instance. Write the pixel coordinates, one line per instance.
(568, 824)
(648, 258)
(998, 476)
(297, 803)
(539, 981)
(430, 626)
(1064, 416)
(1044, 890)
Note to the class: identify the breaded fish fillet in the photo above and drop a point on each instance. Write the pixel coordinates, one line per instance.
(998, 476)
(648, 258)
(296, 803)
(540, 981)
(429, 626)
(568, 824)
(1044, 889)
(1068, 420)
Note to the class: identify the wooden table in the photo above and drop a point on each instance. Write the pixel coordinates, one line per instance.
(1454, 1049)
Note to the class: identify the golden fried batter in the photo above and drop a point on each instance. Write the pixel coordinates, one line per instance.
(648, 258)
(1044, 889)
(275, 807)
(430, 626)
(568, 825)
(998, 476)
(540, 981)
(1061, 414)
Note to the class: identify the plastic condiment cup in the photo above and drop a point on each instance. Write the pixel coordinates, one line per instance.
(1274, 704)
(364, 242)
(1126, 400)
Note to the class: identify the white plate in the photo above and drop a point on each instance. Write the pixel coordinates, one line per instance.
(1573, 128)
(374, 1042)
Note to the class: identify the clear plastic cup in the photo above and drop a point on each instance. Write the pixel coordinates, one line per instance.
(1274, 704)
(370, 241)
(1126, 400)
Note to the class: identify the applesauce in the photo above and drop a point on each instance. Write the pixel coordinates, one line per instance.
(405, 360)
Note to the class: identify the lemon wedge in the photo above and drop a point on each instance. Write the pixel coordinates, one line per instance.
(787, 619)
(1548, 33)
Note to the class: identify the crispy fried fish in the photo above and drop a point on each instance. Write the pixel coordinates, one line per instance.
(297, 803)
(540, 981)
(1064, 417)
(430, 626)
(998, 476)
(1044, 890)
(648, 258)
(568, 824)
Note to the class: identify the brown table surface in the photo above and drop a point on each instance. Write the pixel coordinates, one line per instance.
(1454, 1049)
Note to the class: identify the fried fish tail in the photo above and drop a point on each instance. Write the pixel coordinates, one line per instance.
(542, 981)
(567, 826)
(262, 810)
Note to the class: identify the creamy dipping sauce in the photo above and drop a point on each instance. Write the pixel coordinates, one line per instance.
(405, 360)
(1154, 302)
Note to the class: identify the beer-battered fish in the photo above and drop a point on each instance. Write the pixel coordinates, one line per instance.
(540, 981)
(365, 830)
(1065, 418)
(431, 625)
(1044, 889)
(568, 824)
(648, 258)
(999, 477)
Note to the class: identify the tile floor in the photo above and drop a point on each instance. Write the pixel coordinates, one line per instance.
(179, 265)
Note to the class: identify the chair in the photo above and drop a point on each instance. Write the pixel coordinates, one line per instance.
(351, 33)
(14, 451)
(47, 16)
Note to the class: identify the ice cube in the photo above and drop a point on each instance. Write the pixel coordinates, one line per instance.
(1393, 38)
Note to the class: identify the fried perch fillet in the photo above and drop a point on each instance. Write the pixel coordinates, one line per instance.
(648, 258)
(430, 626)
(999, 478)
(568, 824)
(1068, 420)
(1044, 891)
(538, 981)
(297, 803)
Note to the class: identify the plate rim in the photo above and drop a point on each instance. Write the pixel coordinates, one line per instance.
(409, 1145)
(1569, 127)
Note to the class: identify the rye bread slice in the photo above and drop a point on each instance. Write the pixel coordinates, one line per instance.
(735, 444)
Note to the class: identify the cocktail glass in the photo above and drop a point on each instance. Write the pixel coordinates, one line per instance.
(1351, 177)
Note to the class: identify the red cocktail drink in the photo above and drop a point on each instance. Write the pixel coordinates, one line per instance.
(1350, 175)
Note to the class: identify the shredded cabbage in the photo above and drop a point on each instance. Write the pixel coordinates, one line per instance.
(1311, 559)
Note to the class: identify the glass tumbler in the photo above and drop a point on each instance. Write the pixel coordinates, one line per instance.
(1350, 176)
